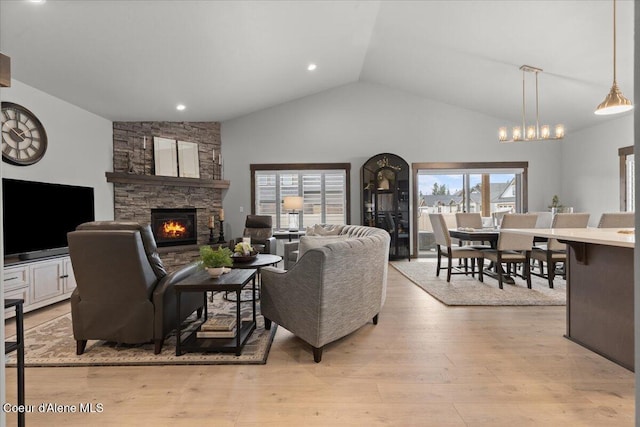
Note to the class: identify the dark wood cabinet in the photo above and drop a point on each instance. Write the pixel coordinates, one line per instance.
(385, 200)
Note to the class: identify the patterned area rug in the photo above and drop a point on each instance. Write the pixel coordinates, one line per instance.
(52, 344)
(466, 290)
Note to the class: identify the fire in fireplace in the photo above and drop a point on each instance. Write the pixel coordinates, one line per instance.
(173, 227)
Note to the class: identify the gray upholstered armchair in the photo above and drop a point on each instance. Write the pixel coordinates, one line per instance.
(337, 286)
(124, 293)
(260, 229)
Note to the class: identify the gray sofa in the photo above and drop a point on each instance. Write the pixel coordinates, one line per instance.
(332, 290)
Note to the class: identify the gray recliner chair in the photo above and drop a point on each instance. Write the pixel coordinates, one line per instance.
(124, 293)
(260, 229)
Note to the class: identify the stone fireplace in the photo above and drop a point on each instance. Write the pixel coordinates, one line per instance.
(173, 227)
(139, 192)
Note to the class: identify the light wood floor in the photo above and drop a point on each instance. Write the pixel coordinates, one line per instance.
(424, 364)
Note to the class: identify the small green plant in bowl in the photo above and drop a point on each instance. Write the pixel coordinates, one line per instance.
(214, 261)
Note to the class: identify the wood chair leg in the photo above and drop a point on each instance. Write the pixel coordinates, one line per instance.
(480, 268)
(527, 268)
(375, 319)
(267, 324)
(551, 269)
(551, 274)
(439, 260)
(449, 265)
(158, 345)
(499, 271)
(199, 312)
(80, 346)
(317, 354)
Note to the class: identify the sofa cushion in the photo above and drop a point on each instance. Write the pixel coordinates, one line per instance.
(323, 230)
(311, 242)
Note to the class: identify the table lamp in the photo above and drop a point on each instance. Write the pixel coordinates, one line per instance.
(292, 203)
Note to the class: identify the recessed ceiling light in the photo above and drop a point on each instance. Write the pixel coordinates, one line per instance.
(37, 1)
(180, 107)
(312, 67)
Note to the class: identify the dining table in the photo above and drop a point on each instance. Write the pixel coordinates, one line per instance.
(489, 235)
(476, 235)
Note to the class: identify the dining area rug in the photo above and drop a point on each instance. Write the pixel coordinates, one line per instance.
(51, 344)
(464, 290)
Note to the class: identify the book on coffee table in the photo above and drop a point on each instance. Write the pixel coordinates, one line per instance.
(216, 334)
(219, 323)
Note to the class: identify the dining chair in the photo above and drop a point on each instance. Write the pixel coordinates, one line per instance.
(617, 220)
(471, 220)
(513, 248)
(445, 248)
(555, 252)
(498, 216)
(450, 220)
(545, 219)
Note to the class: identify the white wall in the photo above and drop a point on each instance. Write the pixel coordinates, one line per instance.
(79, 149)
(591, 169)
(79, 152)
(354, 122)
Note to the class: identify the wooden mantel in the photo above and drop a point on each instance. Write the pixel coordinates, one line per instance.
(127, 178)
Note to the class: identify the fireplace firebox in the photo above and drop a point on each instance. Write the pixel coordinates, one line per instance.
(173, 227)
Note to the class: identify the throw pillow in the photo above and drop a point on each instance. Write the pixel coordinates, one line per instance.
(327, 230)
(310, 242)
(323, 230)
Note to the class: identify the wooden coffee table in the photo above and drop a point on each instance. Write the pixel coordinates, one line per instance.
(234, 281)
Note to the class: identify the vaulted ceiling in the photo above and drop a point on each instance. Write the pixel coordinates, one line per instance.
(136, 60)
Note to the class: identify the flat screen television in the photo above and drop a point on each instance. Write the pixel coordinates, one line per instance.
(37, 216)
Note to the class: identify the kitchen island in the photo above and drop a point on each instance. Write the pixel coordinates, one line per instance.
(600, 289)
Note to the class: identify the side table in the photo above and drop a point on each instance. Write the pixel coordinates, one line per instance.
(18, 346)
(233, 281)
(285, 234)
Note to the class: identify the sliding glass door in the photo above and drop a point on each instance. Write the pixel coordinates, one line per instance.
(447, 188)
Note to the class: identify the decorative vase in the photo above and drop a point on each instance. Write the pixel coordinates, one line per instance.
(215, 272)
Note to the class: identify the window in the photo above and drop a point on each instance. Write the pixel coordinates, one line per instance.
(627, 179)
(324, 189)
(488, 188)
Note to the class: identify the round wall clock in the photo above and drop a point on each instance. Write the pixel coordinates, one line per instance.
(24, 140)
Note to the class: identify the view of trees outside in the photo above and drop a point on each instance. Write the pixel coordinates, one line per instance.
(447, 194)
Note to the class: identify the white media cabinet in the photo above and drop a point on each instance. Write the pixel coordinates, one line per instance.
(38, 282)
